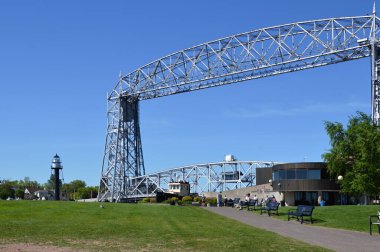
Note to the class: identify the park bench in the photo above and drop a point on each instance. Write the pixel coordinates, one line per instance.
(252, 203)
(300, 212)
(236, 202)
(270, 207)
(247, 204)
(374, 220)
(229, 203)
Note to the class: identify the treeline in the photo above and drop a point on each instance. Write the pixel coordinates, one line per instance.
(76, 189)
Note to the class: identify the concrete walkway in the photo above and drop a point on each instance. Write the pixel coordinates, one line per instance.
(331, 238)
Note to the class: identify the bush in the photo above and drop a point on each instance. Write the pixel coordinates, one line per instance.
(187, 200)
(153, 200)
(211, 201)
(175, 199)
(197, 199)
(179, 202)
(146, 200)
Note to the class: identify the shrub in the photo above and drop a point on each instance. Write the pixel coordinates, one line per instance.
(197, 199)
(146, 200)
(187, 199)
(175, 199)
(211, 201)
(179, 202)
(153, 200)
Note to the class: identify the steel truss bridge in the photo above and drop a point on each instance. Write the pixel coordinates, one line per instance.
(255, 54)
(211, 177)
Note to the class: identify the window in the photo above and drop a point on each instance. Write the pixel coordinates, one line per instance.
(291, 174)
(296, 174)
(314, 174)
(276, 175)
(282, 174)
(301, 174)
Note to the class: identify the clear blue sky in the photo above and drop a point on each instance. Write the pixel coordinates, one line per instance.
(59, 59)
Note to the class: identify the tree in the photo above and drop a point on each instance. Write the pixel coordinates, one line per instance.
(76, 184)
(6, 190)
(19, 193)
(50, 184)
(355, 154)
(27, 183)
(76, 189)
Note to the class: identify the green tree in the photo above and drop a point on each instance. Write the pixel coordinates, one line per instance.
(20, 193)
(49, 185)
(6, 190)
(76, 184)
(27, 183)
(355, 154)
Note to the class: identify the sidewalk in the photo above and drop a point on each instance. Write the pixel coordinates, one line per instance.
(335, 239)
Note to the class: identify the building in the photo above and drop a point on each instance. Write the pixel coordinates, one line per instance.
(180, 188)
(302, 183)
(44, 194)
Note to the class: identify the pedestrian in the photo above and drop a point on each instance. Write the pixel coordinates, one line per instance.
(274, 199)
(255, 199)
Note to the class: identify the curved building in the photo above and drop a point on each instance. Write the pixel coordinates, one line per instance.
(305, 183)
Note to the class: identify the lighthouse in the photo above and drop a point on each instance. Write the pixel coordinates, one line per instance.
(56, 165)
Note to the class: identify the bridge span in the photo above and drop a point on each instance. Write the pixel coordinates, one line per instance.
(208, 177)
(255, 54)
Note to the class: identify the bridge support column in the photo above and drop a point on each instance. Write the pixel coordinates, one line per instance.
(375, 85)
(123, 157)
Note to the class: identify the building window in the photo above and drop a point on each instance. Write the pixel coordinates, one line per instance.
(314, 174)
(301, 174)
(282, 174)
(305, 198)
(291, 174)
(276, 175)
(296, 174)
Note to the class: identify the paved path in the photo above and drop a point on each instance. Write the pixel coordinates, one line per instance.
(331, 238)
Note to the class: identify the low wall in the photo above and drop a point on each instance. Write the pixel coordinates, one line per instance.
(261, 191)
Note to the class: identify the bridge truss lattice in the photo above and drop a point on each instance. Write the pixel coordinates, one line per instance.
(210, 177)
(250, 55)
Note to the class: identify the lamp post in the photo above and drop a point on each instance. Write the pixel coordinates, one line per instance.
(340, 179)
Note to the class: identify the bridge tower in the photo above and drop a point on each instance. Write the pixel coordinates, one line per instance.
(123, 156)
(375, 71)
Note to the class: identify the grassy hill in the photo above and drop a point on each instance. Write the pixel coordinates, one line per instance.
(133, 227)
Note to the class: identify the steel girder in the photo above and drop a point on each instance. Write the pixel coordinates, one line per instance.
(255, 54)
(210, 177)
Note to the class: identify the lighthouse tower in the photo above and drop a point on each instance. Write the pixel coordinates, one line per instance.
(56, 165)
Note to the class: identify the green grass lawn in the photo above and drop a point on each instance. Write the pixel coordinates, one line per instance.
(343, 217)
(121, 227)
